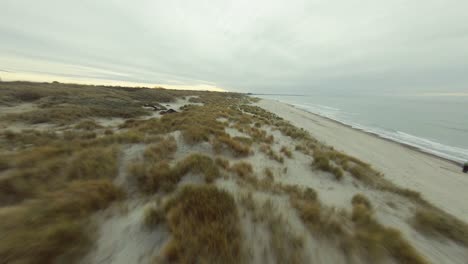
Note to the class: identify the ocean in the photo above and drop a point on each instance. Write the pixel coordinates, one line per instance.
(431, 123)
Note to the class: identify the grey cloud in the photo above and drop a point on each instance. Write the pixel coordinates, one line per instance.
(259, 46)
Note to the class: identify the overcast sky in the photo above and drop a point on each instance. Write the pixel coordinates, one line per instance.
(243, 45)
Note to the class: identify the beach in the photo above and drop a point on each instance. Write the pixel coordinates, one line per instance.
(157, 175)
(439, 181)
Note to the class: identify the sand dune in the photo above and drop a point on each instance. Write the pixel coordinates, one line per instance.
(439, 181)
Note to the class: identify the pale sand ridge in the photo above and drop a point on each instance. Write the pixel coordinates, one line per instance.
(440, 182)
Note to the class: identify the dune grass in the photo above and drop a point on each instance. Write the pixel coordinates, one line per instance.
(163, 150)
(242, 169)
(271, 153)
(377, 240)
(94, 163)
(156, 176)
(88, 125)
(152, 217)
(204, 224)
(322, 162)
(54, 225)
(237, 147)
(438, 223)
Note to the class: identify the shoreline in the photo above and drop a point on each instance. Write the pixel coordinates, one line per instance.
(406, 145)
(439, 180)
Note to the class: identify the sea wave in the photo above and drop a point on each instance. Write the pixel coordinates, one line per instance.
(455, 154)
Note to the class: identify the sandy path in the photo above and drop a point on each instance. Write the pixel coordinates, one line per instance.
(440, 182)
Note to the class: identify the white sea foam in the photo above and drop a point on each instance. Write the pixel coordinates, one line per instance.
(459, 155)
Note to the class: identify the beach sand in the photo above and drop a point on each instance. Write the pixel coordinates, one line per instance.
(439, 181)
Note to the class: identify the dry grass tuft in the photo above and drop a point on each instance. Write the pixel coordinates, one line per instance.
(377, 240)
(163, 150)
(432, 222)
(204, 223)
(53, 226)
(223, 163)
(322, 162)
(361, 199)
(238, 148)
(88, 125)
(269, 174)
(153, 217)
(271, 153)
(242, 169)
(152, 177)
(286, 152)
(94, 163)
(195, 134)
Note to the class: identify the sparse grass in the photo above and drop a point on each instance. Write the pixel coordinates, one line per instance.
(238, 148)
(152, 177)
(153, 217)
(361, 199)
(378, 240)
(94, 163)
(271, 153)
(286, 151)
(163, 150)
(432, 222)
(29, 138)
(259, 135)
(286, 246)
(195, 134)
(54, 225)
(322, 162)
(268, 173)
(204, 223)
(4, 163)
(223, 163)
(87, 125)
(198, 163)
(242, 169)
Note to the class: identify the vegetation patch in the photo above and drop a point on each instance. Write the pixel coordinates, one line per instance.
(152, 177)
(433, 222)
(204, 223)
(163, 150)
(271, 153)
(54, 225)
(94, 163)
(153, 217)
(238, 148)
(377, 240)
(242, 169)
(322, 162)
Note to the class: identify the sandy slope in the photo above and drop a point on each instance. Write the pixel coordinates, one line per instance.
(440, 182)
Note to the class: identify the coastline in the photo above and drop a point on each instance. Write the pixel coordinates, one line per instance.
(439, 180)
(420, 150)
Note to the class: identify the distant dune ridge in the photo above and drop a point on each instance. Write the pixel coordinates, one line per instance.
(93, 174)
